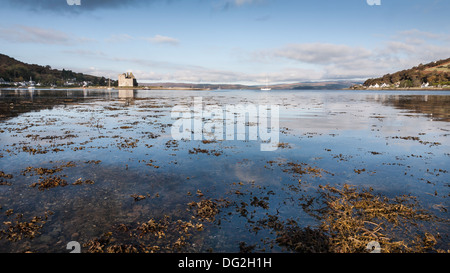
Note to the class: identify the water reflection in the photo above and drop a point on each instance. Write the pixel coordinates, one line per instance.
(434, 104)
(127, 96)
(437, 106)
(376, 139)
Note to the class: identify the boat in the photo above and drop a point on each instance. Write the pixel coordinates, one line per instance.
(267, 88)
(109, 85)
(31, 87)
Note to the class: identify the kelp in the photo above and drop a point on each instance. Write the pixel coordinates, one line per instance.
(352, 218)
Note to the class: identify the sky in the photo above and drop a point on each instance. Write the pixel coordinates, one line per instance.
(227, 41)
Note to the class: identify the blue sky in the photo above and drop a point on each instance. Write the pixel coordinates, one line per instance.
(227, 41)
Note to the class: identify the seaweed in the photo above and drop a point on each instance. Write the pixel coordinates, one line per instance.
(352, 218)
(17, 230)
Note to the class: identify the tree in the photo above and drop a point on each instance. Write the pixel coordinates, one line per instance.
(102, 81)
(431, 79)
(406, 84)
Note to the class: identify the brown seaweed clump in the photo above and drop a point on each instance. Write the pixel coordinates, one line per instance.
(303, 240)
(205, 209)
(50, 182)
(46, 171)
(164, 235)
(303, 168)
(5, 176)
(80, 181)
(138, 197)
(352, 219)
(205, 151)
(16, 230)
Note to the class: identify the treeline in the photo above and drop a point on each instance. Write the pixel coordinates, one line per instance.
(434, 73)
(12, 70)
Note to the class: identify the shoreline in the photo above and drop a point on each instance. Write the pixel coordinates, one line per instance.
(206, 89)
(137, 87)
(399, 89)
(104, 88)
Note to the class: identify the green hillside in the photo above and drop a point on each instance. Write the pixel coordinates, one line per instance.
(434, 73)
(12, 70)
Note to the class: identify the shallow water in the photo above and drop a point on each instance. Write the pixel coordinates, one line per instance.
(395, 142)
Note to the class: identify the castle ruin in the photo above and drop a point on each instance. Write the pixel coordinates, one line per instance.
(127, 80)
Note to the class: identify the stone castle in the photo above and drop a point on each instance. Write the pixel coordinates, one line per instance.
(127, 80)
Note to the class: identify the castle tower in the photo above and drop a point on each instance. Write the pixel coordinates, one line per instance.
(127, 80)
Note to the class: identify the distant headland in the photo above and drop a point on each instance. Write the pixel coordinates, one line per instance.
(431, 76)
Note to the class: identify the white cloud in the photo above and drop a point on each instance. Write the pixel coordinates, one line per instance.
(204, 75)
(294, 62)
(411, 47)
(27, 34)
(321, 53)
(85, 53)
(227, 4)
(336, 61)
(119, 38)
(422, 34)
(86, 5)
(289, 63)
(100, 72)
(243, 2)
(37, 35)
(159, 39)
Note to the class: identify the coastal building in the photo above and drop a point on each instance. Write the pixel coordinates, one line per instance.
(127, 80)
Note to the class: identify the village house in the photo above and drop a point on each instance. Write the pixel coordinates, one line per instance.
(127, 80)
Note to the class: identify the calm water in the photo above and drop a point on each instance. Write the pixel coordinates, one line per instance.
(122, 141)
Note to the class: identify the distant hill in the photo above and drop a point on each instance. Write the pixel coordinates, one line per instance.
(328, 85)
(434, 73)
(12, 70)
